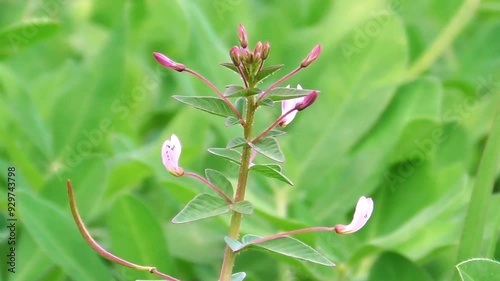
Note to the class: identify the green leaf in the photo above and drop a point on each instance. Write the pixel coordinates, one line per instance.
(275, 133)
(230, 121)
(238, 276)
(271, 171)
(235, 245)
(281, 93)
(213, 105)
(229, 154)
(267, 71)
(23, 34)
(267, 102)
(232, 89)
(243, 92)
(201, 207)
(219, 180)
(394, 267)
(231, 66)
(236, 142)
(46, 223)
(270, 148)
(290, 247)
(479, 269)
(129, 222)
(243, 207)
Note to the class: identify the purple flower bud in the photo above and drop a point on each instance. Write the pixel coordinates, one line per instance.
(313, 55)
(168, 63)
(266, 48)
(242, 36)
(234, 53)
(308, 100)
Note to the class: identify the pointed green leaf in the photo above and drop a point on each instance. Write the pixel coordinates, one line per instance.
(271, 172)
(235, 245)
(241, 105)
(242, 92)
(231, 66)
(231, 89)
(201, 207)
(238, 276)
(479, 269)
(243, 207)
(267, 71)
(267, 102)
(230, 121)
(230, 154)
(275, 133)
(270, 148)
(290, 247)
(219, 180)
(211, 105)
(281, 93)
(236, 142)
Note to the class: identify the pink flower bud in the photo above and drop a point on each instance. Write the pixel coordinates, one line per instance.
(234, 53)
(168, 63)
(258, 50)
(363, 211)
(266, 48)
(308, 100)
(313, 55)
(242, 36)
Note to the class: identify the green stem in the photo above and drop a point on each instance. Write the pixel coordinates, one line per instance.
(234, 226)
(100, 250)
(475, 220)
(464, 15)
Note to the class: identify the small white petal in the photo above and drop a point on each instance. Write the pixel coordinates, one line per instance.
(363, 211)
(170, 153)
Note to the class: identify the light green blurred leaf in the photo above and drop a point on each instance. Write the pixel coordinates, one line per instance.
(136, 235)
(479, 269)
(23, 34)
(282, 93)
(236, 142)
(57, 236)
(267, 71)
(240, 276)
(270, 148)
(271, 171)
(243, 207)
(201, 207)
(394, 267)
(235, 245)
(219, 180)
(31, 259)
(229, 154)
(213, 105)
(290, 247)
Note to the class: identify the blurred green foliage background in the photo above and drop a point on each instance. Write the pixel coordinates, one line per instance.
(82, 98)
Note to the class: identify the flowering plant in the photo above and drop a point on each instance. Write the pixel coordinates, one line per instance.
(242, 150)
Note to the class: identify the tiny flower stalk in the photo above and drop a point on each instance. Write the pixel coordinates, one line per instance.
(364, 209)
(289, 109)
(168, 63)
(99, 249)
(311, 57)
